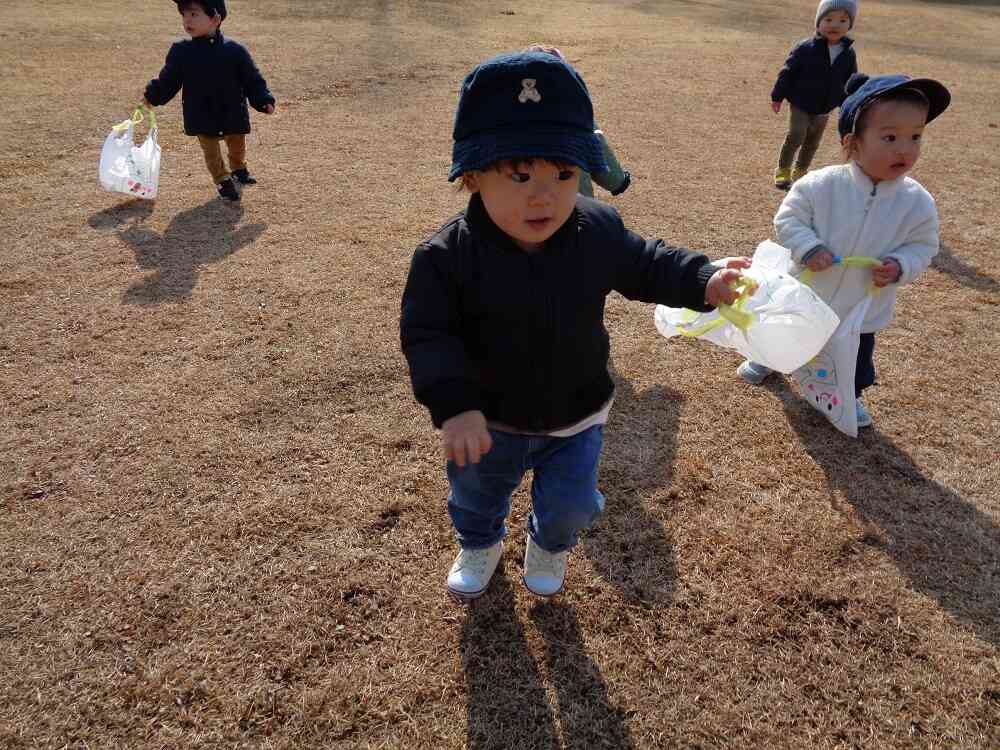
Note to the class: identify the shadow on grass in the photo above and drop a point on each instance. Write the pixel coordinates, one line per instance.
(629, 546)
(947, 262)
(195, 237)
(586, 716)
(508, 707)
(507, 702)
(945, 546)
(129, 212)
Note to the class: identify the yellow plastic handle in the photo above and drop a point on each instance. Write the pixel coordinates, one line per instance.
(733, 313)
(851, 261)
(135, 119)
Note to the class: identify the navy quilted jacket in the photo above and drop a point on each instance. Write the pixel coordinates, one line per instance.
(809, 81)
(218, 77)
(520, 336)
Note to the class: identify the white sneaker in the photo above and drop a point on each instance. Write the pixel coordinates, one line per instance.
(864, 417)
(544, 572)
(752, 372)
(472, 570)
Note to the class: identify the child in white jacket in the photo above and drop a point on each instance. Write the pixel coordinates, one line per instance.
(868, 207)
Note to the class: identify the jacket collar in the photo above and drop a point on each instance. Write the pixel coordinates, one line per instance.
(215, 38)
(482, 225)
(864, 182)
(819, 39)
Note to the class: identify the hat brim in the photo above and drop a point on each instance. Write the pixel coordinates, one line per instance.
(556, 143)
(937, 95)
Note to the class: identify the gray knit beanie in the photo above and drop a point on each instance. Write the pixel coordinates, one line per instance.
(826, 6)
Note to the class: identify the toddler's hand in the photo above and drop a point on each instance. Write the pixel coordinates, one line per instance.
(776, 106)
(740, 261)
(268, 109)
(820, 261)
(719, 290)
(888, 273)
(465, 437)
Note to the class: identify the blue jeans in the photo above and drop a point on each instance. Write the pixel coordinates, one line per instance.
(564, 496)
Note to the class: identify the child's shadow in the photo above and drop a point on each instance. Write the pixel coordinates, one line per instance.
(629, 546)
(201, 235)
(947, 262)
(944, 545)
(508, 704)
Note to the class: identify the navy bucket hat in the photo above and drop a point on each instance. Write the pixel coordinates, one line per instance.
(214, 7)
(523, 105)
(862, 90)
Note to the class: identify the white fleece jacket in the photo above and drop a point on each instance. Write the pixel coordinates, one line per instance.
(840, 208)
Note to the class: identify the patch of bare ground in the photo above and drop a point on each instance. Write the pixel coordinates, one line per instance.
(222, 519)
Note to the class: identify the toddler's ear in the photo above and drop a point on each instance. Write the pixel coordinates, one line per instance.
(470, 181)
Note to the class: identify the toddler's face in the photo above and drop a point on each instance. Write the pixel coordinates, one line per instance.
(889, 144)
(198, 23)
(834, 25)
(528, 201)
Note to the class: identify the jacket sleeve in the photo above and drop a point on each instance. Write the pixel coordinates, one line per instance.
(614, 179)
(921, 245)
(852, 68)
(441, 374)
(254, 84)
(652, 271)
(793, 223)
(787, 75)
(165, 86)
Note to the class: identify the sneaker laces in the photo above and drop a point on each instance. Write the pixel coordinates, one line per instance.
(474, 560)
(553, 563)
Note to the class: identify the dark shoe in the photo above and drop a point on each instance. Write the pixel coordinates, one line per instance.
(228, 190)
(244, 177)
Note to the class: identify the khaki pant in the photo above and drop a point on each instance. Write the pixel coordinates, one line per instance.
(805, 131)
(211, 146)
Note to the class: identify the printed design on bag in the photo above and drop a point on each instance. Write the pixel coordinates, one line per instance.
(819, 383)
(528, 92)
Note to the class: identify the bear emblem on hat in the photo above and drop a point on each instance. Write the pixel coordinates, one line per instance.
(528, 92)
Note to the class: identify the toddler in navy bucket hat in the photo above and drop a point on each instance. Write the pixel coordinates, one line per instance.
(523, 105)
(502, 319)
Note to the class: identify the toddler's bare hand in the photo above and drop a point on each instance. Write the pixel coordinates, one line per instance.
(719, 290)
(268, 109)
(887, 273)
(776, 106)
(466, 438)
(820, 261)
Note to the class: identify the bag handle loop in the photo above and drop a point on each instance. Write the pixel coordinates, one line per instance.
(733, 313)
(850, 261)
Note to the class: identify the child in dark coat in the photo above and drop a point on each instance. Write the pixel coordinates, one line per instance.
(502, 318)
(218, 77)
(812, 80)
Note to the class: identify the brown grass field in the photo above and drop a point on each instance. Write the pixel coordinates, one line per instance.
(222, 513)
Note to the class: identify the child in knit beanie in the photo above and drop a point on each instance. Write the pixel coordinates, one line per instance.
(812, 80)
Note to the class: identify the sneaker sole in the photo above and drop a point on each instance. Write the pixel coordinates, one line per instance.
(465, 596)
(544, 596)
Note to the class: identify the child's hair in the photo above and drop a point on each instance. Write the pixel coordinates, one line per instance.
(914, 97)
(209, 8)
(465, 182)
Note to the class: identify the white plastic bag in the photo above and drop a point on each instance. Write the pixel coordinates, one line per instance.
(127, 168)
(782, 325)
(827, 380)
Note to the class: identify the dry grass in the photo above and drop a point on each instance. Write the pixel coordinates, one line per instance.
(223, 521)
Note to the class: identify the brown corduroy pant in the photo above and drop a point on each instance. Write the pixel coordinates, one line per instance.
(805, 131)
(211, 147)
